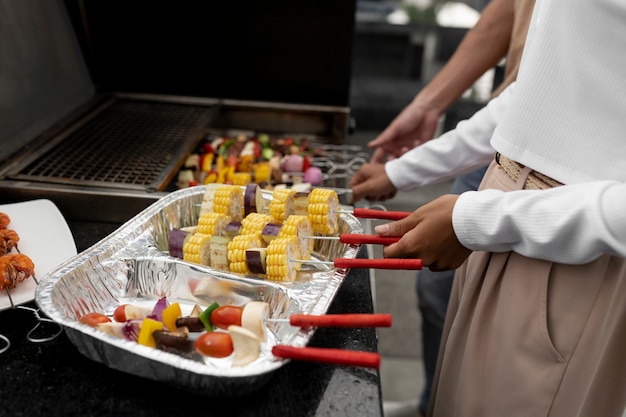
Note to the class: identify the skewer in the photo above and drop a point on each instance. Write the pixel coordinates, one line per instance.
(328, 355)
(386, 263)
(364, 213)
(10, 298)
(359, 239)
(336, 320)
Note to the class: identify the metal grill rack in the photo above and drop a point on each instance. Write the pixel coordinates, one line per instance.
(338, 164)
(127, 144)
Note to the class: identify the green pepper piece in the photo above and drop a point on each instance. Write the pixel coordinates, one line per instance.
(205, 316)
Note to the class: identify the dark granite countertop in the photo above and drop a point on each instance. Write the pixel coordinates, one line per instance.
(54, 379)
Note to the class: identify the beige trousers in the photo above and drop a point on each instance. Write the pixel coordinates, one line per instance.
(526, 337)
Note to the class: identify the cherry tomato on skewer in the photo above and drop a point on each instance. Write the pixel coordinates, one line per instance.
(214, 344)
(226, 315)
(91, 319)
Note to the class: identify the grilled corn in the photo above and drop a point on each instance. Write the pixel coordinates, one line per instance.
(324, 210)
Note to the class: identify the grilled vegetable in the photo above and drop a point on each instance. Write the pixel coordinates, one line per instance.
(174, 342)
(298, 226)
(208, 197)
(282, 204)
(197, 249)
(126, 312)
(194, 324)
(253, 318)
(270, 232)
(93, 319)
(214, 344)
(218, 249)
(279, 253)
(176, 242)
(253, 199)
(232, 229)
(205, 316)
(301, 203)
(256, 260)
(212, 223)
(246, 345)
(224, 316)
(237, 251)
(148, 326)
(323, 210)
(228, 200)
(254, 223)
(170, 314)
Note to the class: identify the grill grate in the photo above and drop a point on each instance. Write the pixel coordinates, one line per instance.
(130, 144)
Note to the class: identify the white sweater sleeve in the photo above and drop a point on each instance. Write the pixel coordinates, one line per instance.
(461, 150)
(571, 224)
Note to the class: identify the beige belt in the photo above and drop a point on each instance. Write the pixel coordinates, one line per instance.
(534, 181)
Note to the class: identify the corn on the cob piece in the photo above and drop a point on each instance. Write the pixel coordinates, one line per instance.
(279, 253)
(237, 251)
(282, 204)
(324, 210)
(254, 223)
(196, 249)
(299, 225)
(211, 223)
(228, 200)
(242, 178)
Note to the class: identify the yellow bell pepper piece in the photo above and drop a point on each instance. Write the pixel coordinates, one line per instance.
(148, 326)
(170, 314)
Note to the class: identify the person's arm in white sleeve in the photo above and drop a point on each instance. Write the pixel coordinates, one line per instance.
(570, 224)
(461, 150)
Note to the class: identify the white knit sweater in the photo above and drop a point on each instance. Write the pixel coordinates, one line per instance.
(564, 117)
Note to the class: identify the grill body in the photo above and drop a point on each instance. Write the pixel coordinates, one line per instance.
(104, 110)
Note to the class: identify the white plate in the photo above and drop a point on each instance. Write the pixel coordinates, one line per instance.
(45, 237)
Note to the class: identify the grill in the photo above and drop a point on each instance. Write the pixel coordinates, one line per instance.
(106, 108)
(126, 144)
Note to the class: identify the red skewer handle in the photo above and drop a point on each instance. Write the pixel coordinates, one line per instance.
(341, 320)
(364, 213)
(328, 355)
(386, 263)
(367, 239)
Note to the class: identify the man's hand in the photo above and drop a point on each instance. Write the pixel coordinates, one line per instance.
(427, 234)
(372, 183)
(415, 125)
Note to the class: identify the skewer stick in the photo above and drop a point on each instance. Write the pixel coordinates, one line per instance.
(328, 355)
(359, 239)
(10, 298)
(363, 213)
(336, 320)
(386, 263)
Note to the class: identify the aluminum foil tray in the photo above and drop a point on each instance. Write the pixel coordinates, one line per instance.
(132, 266)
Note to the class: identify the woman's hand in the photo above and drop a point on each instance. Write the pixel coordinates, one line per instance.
(427, 234)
